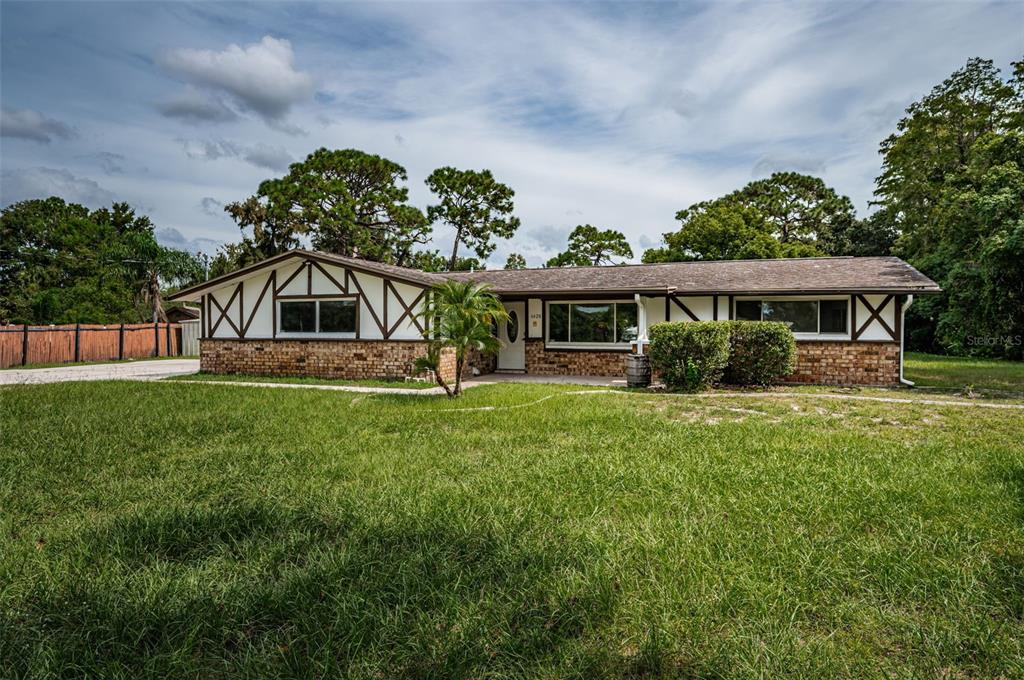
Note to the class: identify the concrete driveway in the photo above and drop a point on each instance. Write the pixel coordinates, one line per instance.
(129, 370)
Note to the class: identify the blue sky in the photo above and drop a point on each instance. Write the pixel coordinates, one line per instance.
(612, 114)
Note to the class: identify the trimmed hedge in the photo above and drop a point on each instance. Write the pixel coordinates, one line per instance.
(696, 354)
(760, 352)
(690, 355)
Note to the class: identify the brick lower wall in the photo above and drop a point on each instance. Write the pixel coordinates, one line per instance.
(348, 359)
(543, 361)
(847, 363)
(837, 363)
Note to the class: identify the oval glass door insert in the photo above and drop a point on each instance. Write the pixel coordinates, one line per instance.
(512, 326)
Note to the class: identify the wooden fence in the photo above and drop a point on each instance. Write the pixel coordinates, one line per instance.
(24, 345)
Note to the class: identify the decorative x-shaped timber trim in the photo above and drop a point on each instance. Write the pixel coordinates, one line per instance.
(876, 315)
(686, 310)
(252, 315)
(327, 274)
(373, 313)
(223, 315)
(408, 310)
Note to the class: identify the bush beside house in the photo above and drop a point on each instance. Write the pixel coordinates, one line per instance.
(695, 355)
(760, 352)
(690, 355)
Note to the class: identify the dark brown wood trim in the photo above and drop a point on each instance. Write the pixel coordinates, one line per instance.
(876, 315)
(686, 310)
(259, 301)
(668, 310)
(408, 310)
(308, 339)
(241, 305)
(714, 308)
(202, 316)
(373, 313)
(324, 296)
(309, 277)
(224, 316)
(327, 275)
(732, 305)
(298, 270)
(273, 305)
(897, 315)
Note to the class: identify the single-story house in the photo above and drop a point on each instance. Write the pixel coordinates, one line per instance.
(317, 314)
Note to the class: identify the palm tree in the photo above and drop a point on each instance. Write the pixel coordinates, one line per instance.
(148, 264)
(460, 315)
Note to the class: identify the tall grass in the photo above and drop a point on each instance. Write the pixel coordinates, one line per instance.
(200, 530)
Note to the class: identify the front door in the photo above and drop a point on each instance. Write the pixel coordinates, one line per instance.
(512, 334)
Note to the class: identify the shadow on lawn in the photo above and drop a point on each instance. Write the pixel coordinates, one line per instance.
(254, 588)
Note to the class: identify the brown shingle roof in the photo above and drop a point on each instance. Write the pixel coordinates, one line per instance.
(792, 276)
(796, 275)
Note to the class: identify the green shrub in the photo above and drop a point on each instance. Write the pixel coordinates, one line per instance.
(760, 352)
(690, 354)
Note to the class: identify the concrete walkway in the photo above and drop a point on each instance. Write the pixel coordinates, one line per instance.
(128, 370)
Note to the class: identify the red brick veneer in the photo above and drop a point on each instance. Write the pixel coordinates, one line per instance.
(847, 363)
(346, 359)
(543, 361)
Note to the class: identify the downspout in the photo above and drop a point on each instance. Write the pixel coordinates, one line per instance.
(641, 321)
(903, 332)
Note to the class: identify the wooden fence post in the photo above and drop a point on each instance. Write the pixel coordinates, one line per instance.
(168, 338)
(120, 343)
(24, 345)
(156, 338)
(78, 342)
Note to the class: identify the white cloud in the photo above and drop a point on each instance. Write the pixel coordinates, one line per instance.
(260, 77)
(29, 124)
(172, 238)
(39, 182)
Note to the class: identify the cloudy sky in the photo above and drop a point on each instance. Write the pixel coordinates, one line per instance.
(612, 114)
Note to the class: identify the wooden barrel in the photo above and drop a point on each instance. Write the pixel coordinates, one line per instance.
(638, 370)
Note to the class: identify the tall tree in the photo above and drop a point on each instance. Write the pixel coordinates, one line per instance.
(61, 263)
(717, 230)
(515, 261)
(950, 185)
(150, 267)
(799, 208)
(476, 205)
(346, 201)
(589, 245)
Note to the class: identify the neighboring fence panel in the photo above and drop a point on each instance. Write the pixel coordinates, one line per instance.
(190, 338)
(20, 345)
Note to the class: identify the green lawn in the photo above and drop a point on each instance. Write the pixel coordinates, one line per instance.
(218, 377)
(162, 529)
(932, 370)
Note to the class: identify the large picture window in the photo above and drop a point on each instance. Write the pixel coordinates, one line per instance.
(336, 317)
(592, 323)
(808, 317)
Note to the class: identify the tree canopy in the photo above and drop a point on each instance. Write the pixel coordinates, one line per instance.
(952, 183)
(785, 215)
(515, 261)
(477, 206)
(345, 201)
(589, 245)
(62, 263)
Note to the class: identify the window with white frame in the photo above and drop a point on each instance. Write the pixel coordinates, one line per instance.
(592, 323)
(322, 316)
(803, 316)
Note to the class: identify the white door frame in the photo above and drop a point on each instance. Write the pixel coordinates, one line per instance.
(512, 356)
